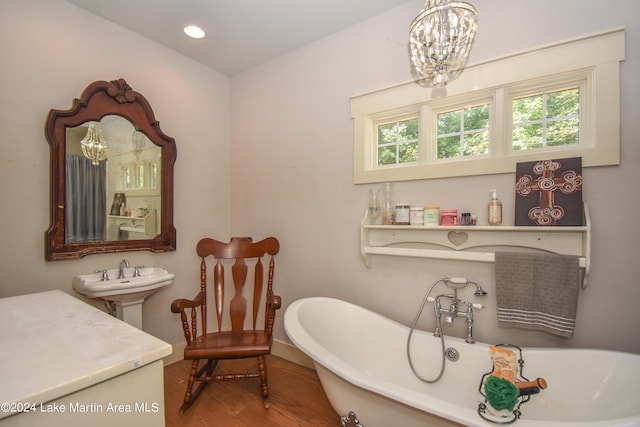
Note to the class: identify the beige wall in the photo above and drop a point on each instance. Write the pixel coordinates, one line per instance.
(51, 50)
(288, 171)
(291, 125)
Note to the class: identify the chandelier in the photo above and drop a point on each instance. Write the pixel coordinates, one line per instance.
(440, 40)
(93, 145)
(138, 143)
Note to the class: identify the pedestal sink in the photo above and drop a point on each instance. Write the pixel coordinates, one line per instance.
(126, 294)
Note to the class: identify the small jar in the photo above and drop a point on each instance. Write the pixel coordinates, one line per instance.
(416, 216)
(465, 218)
(402, 214)
(431, 215)
(449, 217)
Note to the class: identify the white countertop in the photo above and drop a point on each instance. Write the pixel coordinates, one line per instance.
(52, 344)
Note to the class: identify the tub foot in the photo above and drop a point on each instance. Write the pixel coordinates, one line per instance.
(350, 420)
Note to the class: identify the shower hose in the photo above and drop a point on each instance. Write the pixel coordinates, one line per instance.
(438, 326)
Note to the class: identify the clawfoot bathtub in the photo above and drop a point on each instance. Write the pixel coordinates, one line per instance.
(361, 360)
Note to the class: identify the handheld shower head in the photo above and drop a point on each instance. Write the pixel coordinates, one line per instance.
(459, 283)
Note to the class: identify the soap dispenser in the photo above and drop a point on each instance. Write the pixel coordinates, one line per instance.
(495, 209)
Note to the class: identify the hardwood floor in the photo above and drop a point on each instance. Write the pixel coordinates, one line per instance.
(295, 395)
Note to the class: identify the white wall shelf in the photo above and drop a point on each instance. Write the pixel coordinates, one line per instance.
(475, 243)
(141, 227)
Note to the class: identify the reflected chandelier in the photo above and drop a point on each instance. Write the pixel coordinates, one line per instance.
(138, 143)
(440, 39)
(93, 145)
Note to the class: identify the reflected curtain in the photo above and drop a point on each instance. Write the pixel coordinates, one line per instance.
(85, 200)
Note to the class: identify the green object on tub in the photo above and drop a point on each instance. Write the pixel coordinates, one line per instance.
(501, 393)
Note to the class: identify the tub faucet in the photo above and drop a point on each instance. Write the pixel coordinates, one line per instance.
(124, 263)
(457, 306)
(454, 311)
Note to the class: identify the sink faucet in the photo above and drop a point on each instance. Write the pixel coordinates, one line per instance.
(124, 263)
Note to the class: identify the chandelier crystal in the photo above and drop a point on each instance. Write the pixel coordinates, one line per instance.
(138, 143)
(93, 145)
(440, 40)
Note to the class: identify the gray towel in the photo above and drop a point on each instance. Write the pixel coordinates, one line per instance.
(537, 291)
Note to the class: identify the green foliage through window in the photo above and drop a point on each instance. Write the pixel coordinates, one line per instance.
(547, 119)
(398, 142)
(140, 178)
(463, 132)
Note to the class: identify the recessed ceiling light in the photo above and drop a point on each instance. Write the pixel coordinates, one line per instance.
(194, 32)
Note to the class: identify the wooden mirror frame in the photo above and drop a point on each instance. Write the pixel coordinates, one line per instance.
(99, 99)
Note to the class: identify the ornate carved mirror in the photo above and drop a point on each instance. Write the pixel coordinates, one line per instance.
(111, 187)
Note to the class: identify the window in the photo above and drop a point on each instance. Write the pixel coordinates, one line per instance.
(561, 100)
(547, 119)
(139, 175)
(139, 181)
(126, 177)
(153, 175)
(398, 142)
(463, 132)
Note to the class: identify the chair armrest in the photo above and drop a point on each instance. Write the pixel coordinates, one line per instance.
(180, 306)
(273, 303)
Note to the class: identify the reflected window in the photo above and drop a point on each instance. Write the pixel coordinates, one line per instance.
(153, 175)
(140, 177)
(126, 177)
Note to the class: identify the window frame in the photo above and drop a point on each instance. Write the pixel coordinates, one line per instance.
(583, 80)
(392, 117)
(430, 123)
(593, 60)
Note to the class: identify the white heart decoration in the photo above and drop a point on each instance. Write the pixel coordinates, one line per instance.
(457, 237)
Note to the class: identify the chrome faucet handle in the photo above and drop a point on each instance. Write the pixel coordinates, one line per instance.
(136, 270)
(105, 274)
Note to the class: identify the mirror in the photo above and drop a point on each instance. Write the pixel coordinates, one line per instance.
(111, 186)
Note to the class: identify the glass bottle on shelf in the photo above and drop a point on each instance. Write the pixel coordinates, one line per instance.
(374, 206)
(388, 208)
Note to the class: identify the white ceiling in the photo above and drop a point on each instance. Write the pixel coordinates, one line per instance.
(240, 33)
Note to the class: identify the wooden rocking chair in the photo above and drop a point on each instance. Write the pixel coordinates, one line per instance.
(240, 341)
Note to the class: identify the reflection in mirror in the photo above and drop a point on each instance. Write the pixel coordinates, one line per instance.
(118, 197)
(111, 175)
